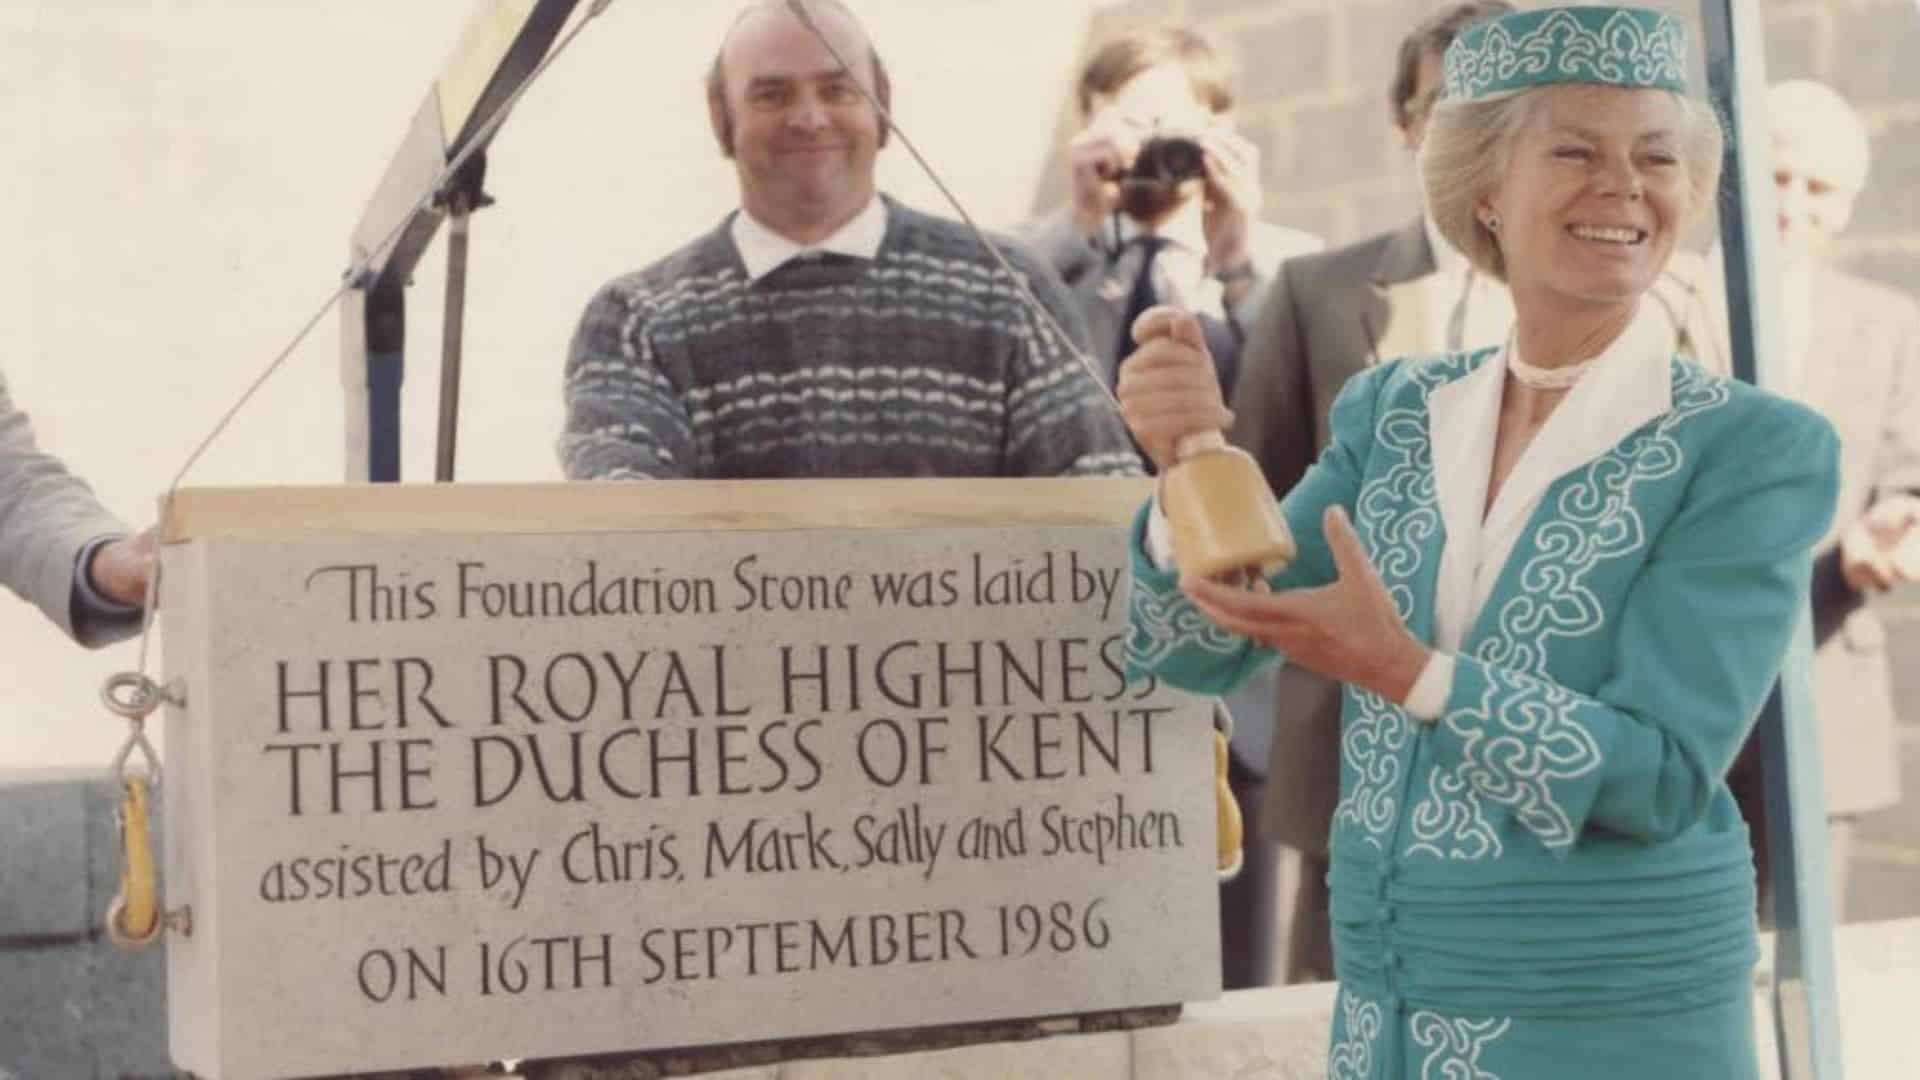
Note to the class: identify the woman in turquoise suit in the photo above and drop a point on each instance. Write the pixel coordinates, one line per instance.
(1557, 578)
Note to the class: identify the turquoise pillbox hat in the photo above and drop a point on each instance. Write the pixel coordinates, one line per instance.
(1637, 48)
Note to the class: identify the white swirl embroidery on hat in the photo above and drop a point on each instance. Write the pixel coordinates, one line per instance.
(1634, 49)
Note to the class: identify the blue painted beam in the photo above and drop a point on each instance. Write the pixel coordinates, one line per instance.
(402, 218)
(1806, 1013)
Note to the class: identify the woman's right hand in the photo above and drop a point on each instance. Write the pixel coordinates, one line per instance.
(1167, 387)
(1882, 549)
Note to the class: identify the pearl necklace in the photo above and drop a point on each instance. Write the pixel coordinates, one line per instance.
(1539, 378)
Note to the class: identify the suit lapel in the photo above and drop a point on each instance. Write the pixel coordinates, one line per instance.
(1406, 256)
(1846, 377)
(1103, 300)
(1392, 314)
(1841, 374)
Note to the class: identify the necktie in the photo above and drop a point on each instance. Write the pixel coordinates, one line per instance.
(1140, 297)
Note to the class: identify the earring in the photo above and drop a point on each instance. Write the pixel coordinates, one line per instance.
(1493, 223)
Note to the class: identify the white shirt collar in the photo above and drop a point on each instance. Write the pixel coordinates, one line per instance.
(1185, 231)
(1180, 269)
(762, 250)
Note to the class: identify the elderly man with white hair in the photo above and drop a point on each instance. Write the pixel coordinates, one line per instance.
(1852, 351)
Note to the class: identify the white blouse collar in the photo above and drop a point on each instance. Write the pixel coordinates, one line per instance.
(1629, 384)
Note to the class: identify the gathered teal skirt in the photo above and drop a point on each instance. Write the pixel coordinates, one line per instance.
(1622, 960)
(1376, 1040)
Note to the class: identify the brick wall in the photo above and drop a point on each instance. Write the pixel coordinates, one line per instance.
(1869, 50)
(1313, 92)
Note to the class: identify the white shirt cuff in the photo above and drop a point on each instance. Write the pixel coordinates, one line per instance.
(1159, 534)
(92, 602)
(1428, 698)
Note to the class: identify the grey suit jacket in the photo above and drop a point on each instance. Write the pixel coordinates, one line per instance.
(1863, 374)
(1320, 325)
(47, 517)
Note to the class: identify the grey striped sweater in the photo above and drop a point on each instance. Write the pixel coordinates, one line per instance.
(923, 362)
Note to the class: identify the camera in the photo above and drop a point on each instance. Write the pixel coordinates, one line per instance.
(1168, 159)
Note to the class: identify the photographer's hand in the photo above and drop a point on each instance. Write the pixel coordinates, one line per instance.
(1233, 200)
(1098, 157)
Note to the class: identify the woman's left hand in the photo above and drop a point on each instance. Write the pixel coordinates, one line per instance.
(1349, 630)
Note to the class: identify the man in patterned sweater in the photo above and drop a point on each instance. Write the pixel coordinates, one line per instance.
(824, 329)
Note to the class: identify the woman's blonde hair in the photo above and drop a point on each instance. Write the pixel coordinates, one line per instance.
(1468, 147)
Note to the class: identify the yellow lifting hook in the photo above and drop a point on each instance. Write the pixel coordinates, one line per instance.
(133, 917)
(1227, 808)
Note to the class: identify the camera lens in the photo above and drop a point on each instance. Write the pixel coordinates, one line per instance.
(1169, 159)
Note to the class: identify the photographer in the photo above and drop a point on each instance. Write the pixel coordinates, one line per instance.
(1165, 198)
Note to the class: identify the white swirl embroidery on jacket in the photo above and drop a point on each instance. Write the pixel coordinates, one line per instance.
(1451, 814)
(1351, 1056)
(1454, 1045)
(1397, 516)
(1159, 628)
(1519, 742)
(1523, 737)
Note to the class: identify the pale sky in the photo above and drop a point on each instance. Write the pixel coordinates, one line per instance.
(181, 177)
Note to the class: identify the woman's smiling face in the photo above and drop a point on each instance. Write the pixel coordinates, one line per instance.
(1594, 194)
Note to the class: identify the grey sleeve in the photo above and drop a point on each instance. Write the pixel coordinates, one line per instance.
(1061, 421)
(96, 619)
(625, 420)
(48, 517)
(1061, 245)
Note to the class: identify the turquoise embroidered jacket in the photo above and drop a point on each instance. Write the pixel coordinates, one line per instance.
(1561, 841)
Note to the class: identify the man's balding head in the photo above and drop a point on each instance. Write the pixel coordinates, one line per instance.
(801, 133)
(833, 18)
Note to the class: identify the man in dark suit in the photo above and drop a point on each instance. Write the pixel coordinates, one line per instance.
(1326, 317)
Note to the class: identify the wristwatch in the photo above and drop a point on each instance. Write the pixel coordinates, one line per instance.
(1233, 275)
